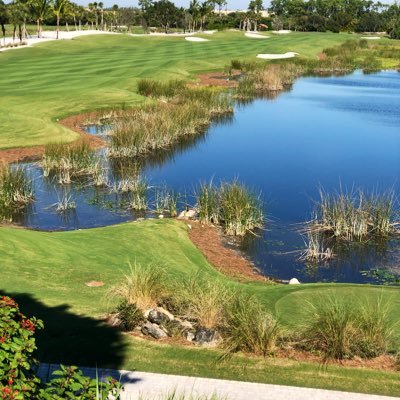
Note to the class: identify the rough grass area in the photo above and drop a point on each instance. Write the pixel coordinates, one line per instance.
(41, 84)
(47, 272)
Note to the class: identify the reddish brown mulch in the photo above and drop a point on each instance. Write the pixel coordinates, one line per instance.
(215, 79)
(209, 240)
(74, 123)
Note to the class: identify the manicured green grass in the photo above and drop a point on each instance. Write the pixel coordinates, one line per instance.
(46, 272)
(41, 84)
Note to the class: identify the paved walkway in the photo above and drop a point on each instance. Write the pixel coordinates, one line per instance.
(149, 386)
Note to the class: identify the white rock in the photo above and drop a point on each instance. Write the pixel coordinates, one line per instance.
(294, 281)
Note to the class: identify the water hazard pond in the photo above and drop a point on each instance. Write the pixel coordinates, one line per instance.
(326, 132)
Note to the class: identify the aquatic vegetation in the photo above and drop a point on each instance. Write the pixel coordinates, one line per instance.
(153, 88)
(235, 207)
(138, 189)
(316, 248)
(144, 130)
(355, 216)
(16, 191)
(166, 200)
(69, 162)
(65, 203)
(208, 203)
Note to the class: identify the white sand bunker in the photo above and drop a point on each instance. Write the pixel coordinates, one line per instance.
(196, 39)
(282, 32)
(370, 37)
(255, 36)
(289, 54)
(209, 32)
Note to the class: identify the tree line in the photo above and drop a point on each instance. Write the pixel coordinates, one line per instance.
(300, 15)
(337, 16)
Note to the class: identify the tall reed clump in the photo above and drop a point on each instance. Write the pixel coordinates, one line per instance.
(69, 162)
(238, 209)
(341, 328)
(16, 191)
(263, 79)
(153, 88)
(249, 327)
(355, 216)
(166, 200)
(140, 131)
(143, 286)
(317, 248)
(208, 203)
(241, 210)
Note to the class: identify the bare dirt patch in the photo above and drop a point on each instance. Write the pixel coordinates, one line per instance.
(209, 240)
(94, 283)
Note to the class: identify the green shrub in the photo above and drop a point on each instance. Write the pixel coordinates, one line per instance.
(17, 352)
(18, 380)
(129, 315)
(70, 383)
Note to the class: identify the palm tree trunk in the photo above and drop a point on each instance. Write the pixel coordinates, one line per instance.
(58, 24)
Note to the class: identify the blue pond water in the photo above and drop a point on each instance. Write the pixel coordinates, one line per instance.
(325, 132)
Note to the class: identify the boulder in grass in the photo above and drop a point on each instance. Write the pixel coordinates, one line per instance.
(294, 281)
(153, 330)
(159, 316)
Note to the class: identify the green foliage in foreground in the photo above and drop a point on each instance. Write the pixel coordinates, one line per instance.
(44, 83)
(54, 268)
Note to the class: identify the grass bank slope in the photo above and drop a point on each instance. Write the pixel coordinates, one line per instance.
(47, 272)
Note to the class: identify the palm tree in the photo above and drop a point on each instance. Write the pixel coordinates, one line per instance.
(3, 19)
(204, 11)
(39, 10)
(59, 8)
(101, 5)
(194, 10)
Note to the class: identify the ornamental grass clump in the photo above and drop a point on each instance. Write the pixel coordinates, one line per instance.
(341, 328)
(143, 285)
(68, 162)
(16, 191)
(355, 216)
(249, 327)
(202, 300)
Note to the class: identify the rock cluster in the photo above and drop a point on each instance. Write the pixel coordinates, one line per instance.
(159, 323)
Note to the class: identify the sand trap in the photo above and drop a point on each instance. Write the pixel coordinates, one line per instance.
(371, 37)
(51, 35)
(196, 39)
(282, 32)
(290, 54)
(209, 32)
(255, 36)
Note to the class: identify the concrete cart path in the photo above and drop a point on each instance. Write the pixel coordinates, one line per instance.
(151, 386)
